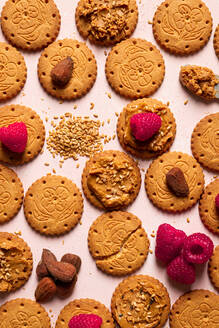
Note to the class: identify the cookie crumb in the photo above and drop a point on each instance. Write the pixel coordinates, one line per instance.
(46, 119)
(150, 251)
(117, 114)
(18, 233)
(77, 166)
(75, 107)
(114, 137)
(150, 22)
(63, 242)
(142, 169)
(152, 235)
(188, 221)
(46, 164)
(91, 106)
(61, 102)
(105, 53)
(186, 102)
(108, 121)
(95, 115)
(54, 171)
(168, 103)
(109, 95)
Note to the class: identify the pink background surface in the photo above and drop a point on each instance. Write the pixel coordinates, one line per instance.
(92, 283)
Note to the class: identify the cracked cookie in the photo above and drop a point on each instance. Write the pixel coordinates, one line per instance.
(118, 243)
(111, 180)
(16, 262)
(140, 301)
(160, 142)
(106, 22)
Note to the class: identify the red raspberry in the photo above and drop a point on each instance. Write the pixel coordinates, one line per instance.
(14, 137)
(169, 242)
(145, 125)
(85, 321)
(181, 271)
(217, 201)
(197, 248)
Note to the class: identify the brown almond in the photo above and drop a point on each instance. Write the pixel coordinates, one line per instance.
(48, 257)
(62, 72)
(73, 259)
(177, 183)
(45, 290)
(62, 271)
(41, 270)
(65, 289)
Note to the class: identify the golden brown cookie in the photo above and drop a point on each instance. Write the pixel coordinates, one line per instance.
(140, 301)
(22, 312)
(156, 145)
(205, 142)
(11, 194)
(156, 186)
(30, 24)
(106, 22)
(182, 27)
(213, 268)
(13, 71)
(84, 306)
(207, 207)
(35, 130)
(84, 68)
(216, 41)
(53, 205)
(118, 243)
(16, 262)
(197, 308)
(111, 180)
(135, 68)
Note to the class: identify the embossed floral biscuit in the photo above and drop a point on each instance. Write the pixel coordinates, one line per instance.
(11, 194)
(83, 306)
(140, 301)
(118, 243)
(22, 312)
(135, 68)
(53, 205)
(156, 145)
(13, 71)
(30, 24)
(35, 130)
(106, 22)
(197, 308)
(84, 68)
(205, 142)
(207, 207)
(16, 262)
(213, 268)
(156, 186)
(111, 180)
(216, 41)
(182, 27)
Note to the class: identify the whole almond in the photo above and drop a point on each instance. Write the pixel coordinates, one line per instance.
(62, 72)
(45, 290)
(65, 289)
(62, 271)
(48, 257)
(41, 270)
(73, 259)
(177, 183)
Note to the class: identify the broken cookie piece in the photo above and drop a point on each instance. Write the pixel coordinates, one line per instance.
(62, 72)
(201, 81)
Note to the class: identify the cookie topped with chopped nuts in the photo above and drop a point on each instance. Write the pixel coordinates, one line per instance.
(160, 142)
(140, 301)
(111, 180)
(16, 262)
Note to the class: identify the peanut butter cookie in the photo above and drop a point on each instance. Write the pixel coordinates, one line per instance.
(207, 207)
(84, 71)
(111, 180)
(156, 186)
(35, 130)
(86, 306)
(16, 262)
(135, 68)
(197, 308)
(118, 243)
(53, 205)
(140, 301)
(106, 22)
(205, 142)
(216, 41)
(30, 25)
(182, 27)
(11, 194)
(213, 268)
(13, 71)
(22, 312)
(156, 145)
